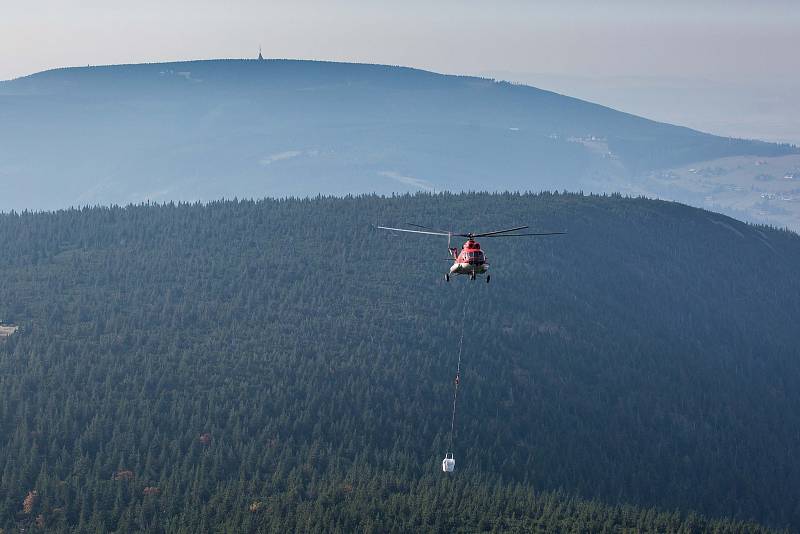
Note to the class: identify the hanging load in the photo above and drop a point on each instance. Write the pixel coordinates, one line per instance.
(449, 463)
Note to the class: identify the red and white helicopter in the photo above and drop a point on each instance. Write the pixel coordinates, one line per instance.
(471, 260)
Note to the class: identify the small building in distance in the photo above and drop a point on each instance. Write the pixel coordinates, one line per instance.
(6, 330)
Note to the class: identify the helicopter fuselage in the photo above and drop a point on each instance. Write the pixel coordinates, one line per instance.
(470, 260)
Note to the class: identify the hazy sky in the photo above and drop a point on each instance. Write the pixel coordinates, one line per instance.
(737, 42)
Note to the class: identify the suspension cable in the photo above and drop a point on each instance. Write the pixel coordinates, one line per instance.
(458, 370)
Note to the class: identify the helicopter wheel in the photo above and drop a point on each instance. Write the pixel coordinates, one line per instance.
(488, 277)
(446, 277)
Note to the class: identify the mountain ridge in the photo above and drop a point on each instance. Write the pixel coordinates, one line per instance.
(208, 129)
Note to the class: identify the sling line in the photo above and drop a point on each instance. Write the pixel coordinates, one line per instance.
(458, 370)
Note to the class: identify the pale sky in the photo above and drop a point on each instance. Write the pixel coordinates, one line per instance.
(736, 42)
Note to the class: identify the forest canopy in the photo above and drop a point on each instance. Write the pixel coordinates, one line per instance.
(282, 365)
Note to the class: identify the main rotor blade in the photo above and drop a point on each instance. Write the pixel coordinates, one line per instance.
(431, 229)
(487, 234)
(523, 235)
(410, 231)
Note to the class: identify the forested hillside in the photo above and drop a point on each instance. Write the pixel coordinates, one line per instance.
(281, 365)
(203, 130)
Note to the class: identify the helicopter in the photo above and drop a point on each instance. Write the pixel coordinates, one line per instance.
(470, 260)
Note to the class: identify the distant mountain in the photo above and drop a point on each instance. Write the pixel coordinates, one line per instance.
(247, 128)
(281, 366)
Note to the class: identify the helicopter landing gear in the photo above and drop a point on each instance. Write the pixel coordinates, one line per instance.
(446, 277)
(488, 277)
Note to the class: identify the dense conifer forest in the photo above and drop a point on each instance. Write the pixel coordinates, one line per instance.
(281, 365)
